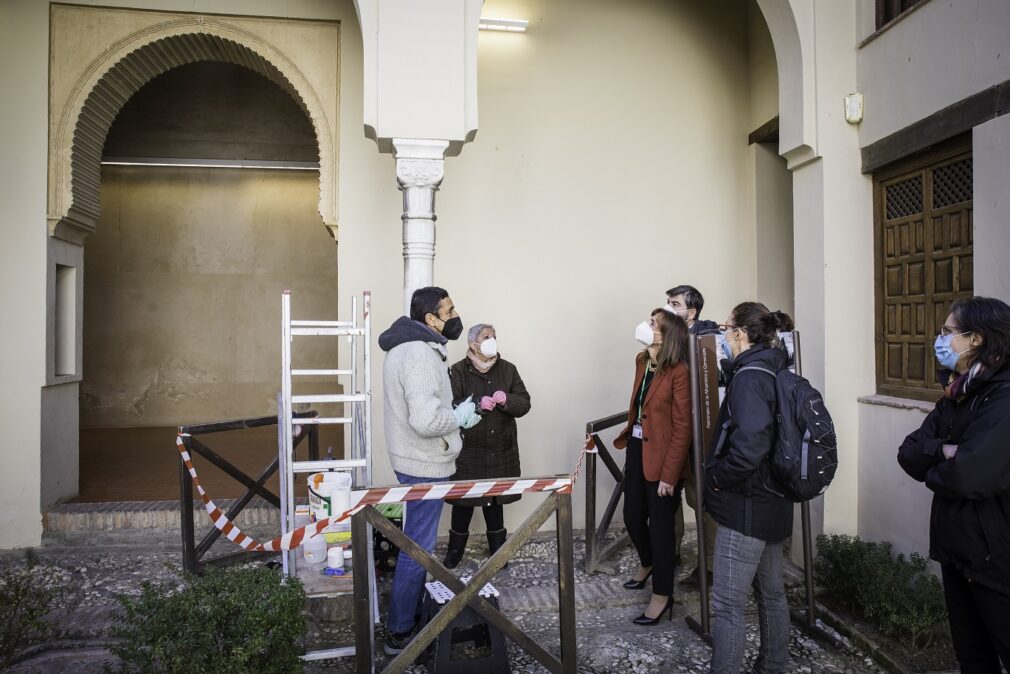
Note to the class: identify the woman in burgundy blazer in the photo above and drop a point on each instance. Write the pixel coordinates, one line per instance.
(657, 438)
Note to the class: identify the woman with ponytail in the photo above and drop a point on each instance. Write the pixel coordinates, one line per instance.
(754, 518)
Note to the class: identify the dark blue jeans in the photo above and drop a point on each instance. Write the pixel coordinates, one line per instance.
(420, 524)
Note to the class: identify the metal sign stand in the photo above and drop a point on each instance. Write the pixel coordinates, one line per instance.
(358, 400)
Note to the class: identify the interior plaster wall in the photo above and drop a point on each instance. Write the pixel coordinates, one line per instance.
(182, 296)
(939, 54)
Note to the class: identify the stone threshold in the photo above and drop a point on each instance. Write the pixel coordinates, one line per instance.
(119, 515)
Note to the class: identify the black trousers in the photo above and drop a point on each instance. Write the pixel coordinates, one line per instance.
(979, 623)
(650, 521)
(494, 517)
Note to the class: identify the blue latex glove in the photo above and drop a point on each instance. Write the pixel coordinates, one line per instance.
(466, 413)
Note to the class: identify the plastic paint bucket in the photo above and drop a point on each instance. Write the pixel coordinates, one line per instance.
(314, 549)
(329, 495)
(335, 557)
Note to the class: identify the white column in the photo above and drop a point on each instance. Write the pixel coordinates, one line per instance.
(420, 166)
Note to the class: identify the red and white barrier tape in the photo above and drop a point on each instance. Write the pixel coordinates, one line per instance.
(366, 497)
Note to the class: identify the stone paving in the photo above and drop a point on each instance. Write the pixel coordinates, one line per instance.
(607, 640)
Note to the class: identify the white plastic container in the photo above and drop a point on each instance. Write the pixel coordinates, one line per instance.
(329, 494)
(314, 549)
(335, 557)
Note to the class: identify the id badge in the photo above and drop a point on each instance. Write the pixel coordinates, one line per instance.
(636, 431)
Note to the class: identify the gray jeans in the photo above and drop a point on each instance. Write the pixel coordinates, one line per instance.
(742, 562)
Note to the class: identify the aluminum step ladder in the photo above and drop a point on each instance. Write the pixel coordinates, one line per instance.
(356, 414)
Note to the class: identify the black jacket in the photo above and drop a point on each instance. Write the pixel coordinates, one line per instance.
(701, 327)
(969, 525)
(737, 492)
(491, 448)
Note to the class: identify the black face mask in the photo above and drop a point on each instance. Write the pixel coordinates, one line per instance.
(452, 328)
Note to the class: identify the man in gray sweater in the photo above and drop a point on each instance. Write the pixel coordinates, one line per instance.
(422, 435)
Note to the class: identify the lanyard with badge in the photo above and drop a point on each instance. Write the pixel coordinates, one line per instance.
(636, 430)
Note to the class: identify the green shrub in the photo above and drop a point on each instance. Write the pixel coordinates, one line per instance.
(246, 619)
(897, 594)
(28, 596)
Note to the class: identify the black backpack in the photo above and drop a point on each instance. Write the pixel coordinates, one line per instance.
(805, 455)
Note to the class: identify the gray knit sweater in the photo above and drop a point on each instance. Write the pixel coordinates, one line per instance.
(422, 435)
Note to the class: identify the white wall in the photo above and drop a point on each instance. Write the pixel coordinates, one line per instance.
(23, 67)
(892, 506)
(939, 54)
(599, 178)
(773, 210)
(833, 251)
(991, 203)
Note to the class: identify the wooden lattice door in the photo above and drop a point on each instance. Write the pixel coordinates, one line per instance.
(923, 222)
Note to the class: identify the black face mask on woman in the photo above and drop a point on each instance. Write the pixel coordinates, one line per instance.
(452, 328)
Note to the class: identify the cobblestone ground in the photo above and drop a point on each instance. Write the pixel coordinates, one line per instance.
(607, 640)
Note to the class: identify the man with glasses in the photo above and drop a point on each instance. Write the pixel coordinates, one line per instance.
(687, 302)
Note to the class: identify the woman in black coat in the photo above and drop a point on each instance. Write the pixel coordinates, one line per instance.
(742, 497)
(490, 448)
(962, 453)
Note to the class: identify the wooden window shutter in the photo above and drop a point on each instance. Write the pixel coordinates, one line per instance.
(923, 242)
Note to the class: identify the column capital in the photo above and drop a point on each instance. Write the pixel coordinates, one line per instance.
(419, 162)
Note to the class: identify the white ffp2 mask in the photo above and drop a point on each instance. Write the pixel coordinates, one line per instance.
(644, 334)
(489, 347)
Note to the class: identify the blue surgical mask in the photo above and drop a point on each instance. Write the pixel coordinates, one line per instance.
(726, 350)
(946, 356)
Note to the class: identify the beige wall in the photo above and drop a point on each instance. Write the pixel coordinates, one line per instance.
(762, 73)
(587, 193)
(939, 54)
(24, 27)
(773, 232)
(833, 260)
(182, 294)
(23, 47)
(892, 506)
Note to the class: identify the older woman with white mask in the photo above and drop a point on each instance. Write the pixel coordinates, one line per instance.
(490, 449)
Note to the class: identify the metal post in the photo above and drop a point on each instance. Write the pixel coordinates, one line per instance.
(186, 505)
(283, 466)
(590, 511)
(703, 627)
(566, 582)
(809, 618)
(284, 431)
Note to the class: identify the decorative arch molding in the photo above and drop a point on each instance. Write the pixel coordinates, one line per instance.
(791, 25)
(74, 199)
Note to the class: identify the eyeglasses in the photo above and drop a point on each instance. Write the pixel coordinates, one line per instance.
(952, 331)
(726, 327)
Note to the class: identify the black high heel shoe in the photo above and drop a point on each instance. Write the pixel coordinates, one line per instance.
(646, 620)
(637, 584)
